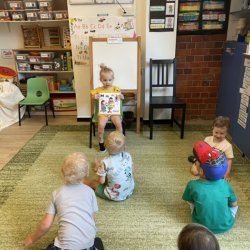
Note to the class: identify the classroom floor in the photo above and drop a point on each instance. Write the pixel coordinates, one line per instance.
(14, 137)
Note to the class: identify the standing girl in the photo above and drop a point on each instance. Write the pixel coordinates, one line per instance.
(107, 79)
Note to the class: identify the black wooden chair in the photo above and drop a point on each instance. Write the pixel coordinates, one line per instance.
(160, 80)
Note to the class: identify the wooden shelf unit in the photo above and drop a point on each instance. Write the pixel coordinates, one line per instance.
(38, 21)
(43, 72)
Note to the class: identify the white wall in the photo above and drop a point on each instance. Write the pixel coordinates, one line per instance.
(82, 73)
(159, 45)
(154, 45)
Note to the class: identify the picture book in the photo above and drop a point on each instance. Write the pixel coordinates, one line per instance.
(109, 104)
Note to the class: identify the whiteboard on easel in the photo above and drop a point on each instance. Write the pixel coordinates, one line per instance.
(121, 58)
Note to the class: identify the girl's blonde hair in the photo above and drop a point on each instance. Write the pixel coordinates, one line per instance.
(115, 143)
(105, 69)
(75, 168)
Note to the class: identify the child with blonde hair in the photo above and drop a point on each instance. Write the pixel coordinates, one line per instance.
(75, 205)
(116, 180)
(218, 141)
(107, 79)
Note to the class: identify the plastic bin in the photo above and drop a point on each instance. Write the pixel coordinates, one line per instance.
(35, 59)
(47, 54)
(18, 15)
(128, 117)
(22, 57)
(30, 5)
(24, 66)
(48, 67)
(47, 59)
(64, 104)
(45, 5)
(32, 15)
(46, 15)
(37, 67)
(60, 14)
(15, 5)
(5, 15)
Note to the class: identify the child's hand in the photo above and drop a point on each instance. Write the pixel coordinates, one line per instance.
(97, 163)
(28, 241)
(121, 96)
(97, 96)
(227, 178)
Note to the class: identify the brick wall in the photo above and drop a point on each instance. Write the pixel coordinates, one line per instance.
(199, 60)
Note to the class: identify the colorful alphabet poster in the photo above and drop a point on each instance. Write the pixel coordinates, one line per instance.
(98, 27)
(109, 104)
(162, 15)
(202, 17)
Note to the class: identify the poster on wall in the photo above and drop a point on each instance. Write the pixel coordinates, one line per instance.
(98, 27)
(7, 53)
(244, 102)
(202, 17)
(162, 15)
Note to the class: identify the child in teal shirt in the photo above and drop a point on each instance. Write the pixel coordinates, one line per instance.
(211, 198)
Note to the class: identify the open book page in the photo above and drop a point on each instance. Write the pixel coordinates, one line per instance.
(109, 104)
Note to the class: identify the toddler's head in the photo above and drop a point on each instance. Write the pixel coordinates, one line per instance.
(115, 143)
(75, 168)
(222, 122)
(221, 126)
(213, 163)
(105, 70)
(197, 237)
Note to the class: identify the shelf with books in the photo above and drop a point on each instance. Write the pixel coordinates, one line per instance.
(43, 72)
(44, 62)
(38, 21)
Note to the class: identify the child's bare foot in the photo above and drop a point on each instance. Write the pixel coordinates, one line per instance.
(97, 163)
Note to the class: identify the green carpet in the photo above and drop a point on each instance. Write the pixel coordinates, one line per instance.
(150, 219)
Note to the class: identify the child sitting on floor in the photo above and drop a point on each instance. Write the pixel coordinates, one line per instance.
(212, 200)
(218, 141)
(115, 181)
(75, 205)
(195, 236)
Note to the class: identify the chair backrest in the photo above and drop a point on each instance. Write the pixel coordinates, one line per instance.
(161, 79)
(37, 88)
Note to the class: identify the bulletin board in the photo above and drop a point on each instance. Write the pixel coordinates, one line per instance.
(202, 17)
(125, 61)
(162, 15)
